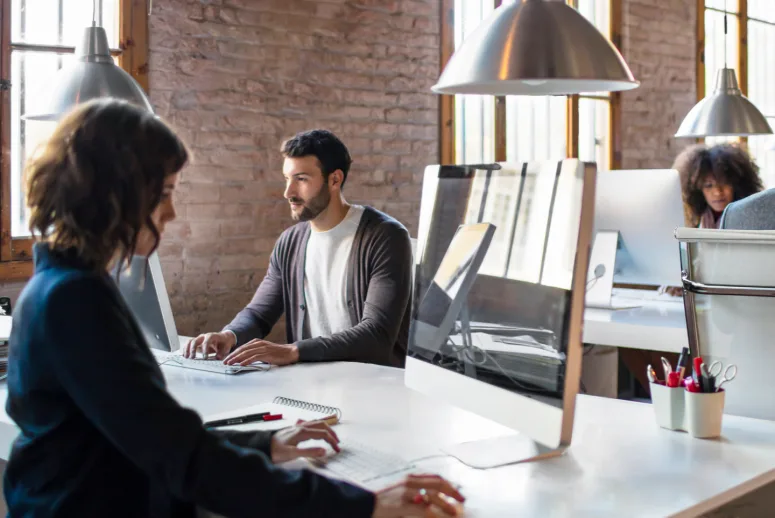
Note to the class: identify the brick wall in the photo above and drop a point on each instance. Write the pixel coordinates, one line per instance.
(236, 77)
(658, 42)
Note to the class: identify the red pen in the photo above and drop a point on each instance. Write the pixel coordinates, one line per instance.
(273, 417)
(673, 380)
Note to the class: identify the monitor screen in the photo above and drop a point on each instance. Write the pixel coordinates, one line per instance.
(494, 295)
(143, 289)
(646, 253)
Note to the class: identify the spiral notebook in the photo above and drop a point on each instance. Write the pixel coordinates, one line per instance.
(291, 409)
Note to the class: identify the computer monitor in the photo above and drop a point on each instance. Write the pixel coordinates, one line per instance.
(142, 286)
(503, 340)
(445, 298)
(645, 206)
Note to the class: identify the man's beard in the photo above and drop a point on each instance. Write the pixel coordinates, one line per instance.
(312, 208)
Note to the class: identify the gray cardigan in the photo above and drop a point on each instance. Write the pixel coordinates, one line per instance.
(379, 286)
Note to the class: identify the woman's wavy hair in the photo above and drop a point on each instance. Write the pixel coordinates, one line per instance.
(726, 163)
(93, 185)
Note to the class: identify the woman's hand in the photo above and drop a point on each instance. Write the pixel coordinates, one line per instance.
(419, 496)
(284, 446)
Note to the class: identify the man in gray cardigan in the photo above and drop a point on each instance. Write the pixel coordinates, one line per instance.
(756, 212)
(342, 275)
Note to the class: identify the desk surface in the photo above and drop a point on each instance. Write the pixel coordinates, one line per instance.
(620, 462)
(657, 326)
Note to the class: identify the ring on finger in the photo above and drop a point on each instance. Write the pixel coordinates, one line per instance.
(422, 497)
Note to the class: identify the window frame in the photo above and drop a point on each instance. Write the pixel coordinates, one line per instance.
(16, 252)
(447, 121)
(740, 61)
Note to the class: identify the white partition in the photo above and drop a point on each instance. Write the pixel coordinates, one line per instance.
(734, 328)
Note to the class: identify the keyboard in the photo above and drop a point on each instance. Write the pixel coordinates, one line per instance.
(361, 463)
(175, 359)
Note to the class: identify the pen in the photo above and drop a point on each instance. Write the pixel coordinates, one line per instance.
(238, 420)
(681, 365)
(331, 420)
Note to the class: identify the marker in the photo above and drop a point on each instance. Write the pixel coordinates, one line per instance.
(681, 365)
(230, 421)
(696, 372)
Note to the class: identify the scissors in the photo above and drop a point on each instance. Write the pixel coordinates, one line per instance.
(715, 371)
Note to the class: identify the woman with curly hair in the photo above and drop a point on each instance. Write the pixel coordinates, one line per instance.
(713, 177)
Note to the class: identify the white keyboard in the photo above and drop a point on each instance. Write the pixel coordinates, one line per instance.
(360, 463)
(175, 359)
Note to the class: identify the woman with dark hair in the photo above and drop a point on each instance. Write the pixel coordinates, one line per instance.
(713, 177)
(100, 434)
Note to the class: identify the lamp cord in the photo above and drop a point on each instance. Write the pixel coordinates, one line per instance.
(725, 33)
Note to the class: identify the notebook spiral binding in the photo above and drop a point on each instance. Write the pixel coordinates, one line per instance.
(304, 405)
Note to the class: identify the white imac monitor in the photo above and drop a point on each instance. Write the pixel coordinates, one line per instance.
(497, 316)
(645, 206)
(145, 293)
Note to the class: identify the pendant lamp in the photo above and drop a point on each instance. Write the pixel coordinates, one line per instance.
(93, 75)
(726, 112)
(535, 47)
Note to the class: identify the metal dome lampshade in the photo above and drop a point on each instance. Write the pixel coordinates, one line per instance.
(535, 47)
(724, 113)
(93, 75)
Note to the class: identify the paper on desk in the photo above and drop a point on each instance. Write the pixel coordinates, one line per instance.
(290, 416)
(486, 343)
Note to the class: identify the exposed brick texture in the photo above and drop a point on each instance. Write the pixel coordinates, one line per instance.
(236, 77)
(659, 42)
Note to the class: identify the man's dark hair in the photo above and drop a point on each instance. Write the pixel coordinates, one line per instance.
(325, 146)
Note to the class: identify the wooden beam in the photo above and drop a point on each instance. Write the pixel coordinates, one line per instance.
(500, 129)
(15, 270)
(21, 249)
(572, 126)
(699, 60)
(133, 40)
(446, 102)
(615, 107)
(742, 47)
(5, 131)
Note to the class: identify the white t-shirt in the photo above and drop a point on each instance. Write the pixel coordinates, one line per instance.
(325, 276)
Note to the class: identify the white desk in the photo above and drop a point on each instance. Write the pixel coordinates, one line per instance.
(620, 463)
(654, 327)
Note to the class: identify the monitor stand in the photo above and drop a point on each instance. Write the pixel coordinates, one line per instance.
(602, 263)
(500, 451)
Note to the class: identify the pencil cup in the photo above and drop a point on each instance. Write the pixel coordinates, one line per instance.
(668, 406)
(704, 412)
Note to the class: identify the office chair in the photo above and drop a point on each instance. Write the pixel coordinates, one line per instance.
(729, 301)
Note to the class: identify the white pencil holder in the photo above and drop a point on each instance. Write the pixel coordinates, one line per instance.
(668, 406)
(704, 413)
(700, 414)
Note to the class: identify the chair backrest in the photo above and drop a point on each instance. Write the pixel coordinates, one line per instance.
(731, 279)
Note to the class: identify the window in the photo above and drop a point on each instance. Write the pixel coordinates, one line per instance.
(594, 110)
(750, 35)
(38, 38)
(761, 76)
(526, 128)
